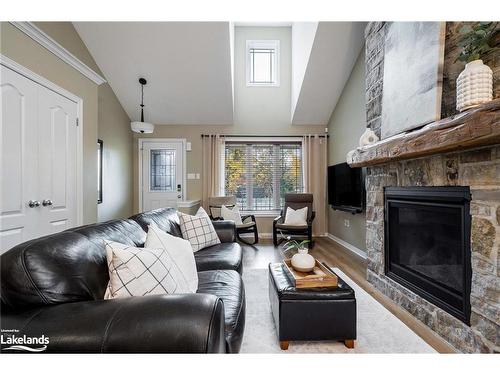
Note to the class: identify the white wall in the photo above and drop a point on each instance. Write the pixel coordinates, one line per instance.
(262, 109)
(346, 125)
(257, 110)
(303, 34)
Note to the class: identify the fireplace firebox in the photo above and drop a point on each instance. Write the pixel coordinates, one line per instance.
(427, 244)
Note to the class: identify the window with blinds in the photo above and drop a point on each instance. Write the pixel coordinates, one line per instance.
(259, 174)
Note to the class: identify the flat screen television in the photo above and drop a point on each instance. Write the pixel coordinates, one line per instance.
(346, 190)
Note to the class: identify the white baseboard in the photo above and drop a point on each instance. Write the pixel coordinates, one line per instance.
(347, 245)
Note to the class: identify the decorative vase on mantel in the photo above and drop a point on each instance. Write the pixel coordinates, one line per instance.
(474, 85)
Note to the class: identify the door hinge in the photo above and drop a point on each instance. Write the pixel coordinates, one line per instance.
(77, 122)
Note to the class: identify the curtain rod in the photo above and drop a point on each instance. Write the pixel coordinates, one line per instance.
(265, 136)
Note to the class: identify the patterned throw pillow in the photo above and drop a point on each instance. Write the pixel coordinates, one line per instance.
(179, 248)
(231, 214)
(135, 271)
(198, 230)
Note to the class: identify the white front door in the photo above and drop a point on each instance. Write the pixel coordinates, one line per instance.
(38, 160)
(162, 174)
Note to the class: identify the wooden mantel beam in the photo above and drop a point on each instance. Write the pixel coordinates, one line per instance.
(476, 127)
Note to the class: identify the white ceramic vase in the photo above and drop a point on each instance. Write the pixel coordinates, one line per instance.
(367, 138)
(474, 85)
(302, 261)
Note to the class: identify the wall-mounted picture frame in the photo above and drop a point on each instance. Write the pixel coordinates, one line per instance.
(100, 146)
(413, 74)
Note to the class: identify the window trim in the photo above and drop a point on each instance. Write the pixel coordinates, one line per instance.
(264, 44)
(152, 188)
(261, 213)
(254, 140)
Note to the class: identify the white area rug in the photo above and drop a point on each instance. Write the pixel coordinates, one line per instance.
(378, 330)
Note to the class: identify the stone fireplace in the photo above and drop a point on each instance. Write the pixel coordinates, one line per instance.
(460, 155)
(427, 244)
(480, 170)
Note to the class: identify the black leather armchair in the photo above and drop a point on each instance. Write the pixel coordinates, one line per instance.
(295, 201)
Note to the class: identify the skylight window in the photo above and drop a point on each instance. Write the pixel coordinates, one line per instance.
(263, 62)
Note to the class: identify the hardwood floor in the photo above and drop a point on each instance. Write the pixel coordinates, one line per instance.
(352, 265)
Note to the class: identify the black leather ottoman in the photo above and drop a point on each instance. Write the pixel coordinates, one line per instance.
(311, 314)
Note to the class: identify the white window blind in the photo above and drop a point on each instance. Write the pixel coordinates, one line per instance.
(259, 174)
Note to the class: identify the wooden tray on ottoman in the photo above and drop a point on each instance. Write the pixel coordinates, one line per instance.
(319, 277)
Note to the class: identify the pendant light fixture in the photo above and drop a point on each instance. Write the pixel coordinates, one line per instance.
(141, 126)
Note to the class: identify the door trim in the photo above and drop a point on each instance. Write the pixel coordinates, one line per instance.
(25, 72)
(182, 141)
(35, 33)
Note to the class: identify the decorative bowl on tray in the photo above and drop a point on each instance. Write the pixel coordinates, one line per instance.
(303, 261)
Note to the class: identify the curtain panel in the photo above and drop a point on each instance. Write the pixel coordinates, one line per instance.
(314, 149)
(212, 151)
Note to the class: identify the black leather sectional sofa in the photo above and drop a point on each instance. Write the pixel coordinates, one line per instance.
(54, 286)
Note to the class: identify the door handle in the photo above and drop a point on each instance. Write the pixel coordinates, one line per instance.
(46, 202)
(33, 204)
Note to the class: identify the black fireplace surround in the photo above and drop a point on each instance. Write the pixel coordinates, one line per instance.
(427, 244)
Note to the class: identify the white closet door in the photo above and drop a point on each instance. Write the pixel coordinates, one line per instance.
(57, 134)
(19, 159)
(38, 160)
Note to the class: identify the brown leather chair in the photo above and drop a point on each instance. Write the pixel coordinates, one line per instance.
(249, 223)
(295, 201)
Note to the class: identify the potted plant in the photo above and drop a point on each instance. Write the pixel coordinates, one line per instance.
(301, 261)
(475, 83)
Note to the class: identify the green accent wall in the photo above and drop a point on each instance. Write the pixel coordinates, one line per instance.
(347, 123)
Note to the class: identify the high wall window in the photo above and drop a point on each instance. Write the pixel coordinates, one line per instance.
(262, 66)
(259, 174)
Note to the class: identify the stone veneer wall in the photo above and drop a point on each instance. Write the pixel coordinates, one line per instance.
(374, 58)
(479, 169)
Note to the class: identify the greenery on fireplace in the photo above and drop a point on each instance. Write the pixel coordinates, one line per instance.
(477, 40)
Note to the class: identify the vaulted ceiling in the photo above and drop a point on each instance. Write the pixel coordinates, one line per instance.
(333, 49)
(187, 66)
(189, 70)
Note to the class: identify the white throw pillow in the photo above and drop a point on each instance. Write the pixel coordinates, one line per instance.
(181, 252)
(135, 271)
(198, 230)
(296, 217)
(231, 214)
